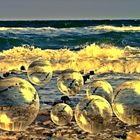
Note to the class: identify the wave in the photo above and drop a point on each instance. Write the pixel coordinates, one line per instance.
(30, 29)
(27, 28)
(101, 59)
(83, 30)
(67, 23)
(119, 29)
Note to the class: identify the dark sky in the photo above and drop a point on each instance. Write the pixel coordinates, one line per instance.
(69, 9)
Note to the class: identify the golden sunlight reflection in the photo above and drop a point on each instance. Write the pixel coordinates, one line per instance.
(83, 120)
(4, 119)
(19, 104)
(107, 93)
(132, 135)
(70, 82)
(61, 114)
(40, 72)
(126, 102)
(101, 58)
(93, 113)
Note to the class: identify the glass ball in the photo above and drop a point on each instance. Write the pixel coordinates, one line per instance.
(40, 72)
(101, 88)
(19, 104)
(93, 113)
(61, 114)
(126, 102)
(70, 82)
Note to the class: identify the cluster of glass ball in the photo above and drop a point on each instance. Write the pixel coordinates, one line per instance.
(19, 101)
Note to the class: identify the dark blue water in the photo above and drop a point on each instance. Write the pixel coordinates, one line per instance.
(70, 34)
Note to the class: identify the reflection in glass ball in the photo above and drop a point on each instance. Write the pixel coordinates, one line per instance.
(126, 102)
(93, 113)
(70, 82)
(19, 104)
(61, 114)
(40, 72)
(101, 88)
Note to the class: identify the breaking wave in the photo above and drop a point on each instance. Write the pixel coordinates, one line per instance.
(99, 27)
(101, 59)
(27, 28)
(119, 29)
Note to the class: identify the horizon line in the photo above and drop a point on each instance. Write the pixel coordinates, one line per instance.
(75, 19)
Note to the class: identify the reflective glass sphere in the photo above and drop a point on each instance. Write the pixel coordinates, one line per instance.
(101, 88)
(19, 104)
(40, 72)
(126, 102)
(61, 114)
(70, 82)
(93, 113)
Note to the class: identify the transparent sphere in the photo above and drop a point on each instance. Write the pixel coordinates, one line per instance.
(101, 88)
(61, 114)
(19, 104)
(126, 102)
(93, 113)
(40, 72)
(70, 82)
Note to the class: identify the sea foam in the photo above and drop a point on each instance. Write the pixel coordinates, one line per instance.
(100, 58)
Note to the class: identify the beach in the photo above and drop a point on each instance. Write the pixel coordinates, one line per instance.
(109, 48)
(44, 129)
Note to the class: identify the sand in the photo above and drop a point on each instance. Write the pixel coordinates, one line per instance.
(44, 129)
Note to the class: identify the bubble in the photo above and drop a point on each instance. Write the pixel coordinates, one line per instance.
(126, 102)
(61, 114)
(93, 114)
(101, 88)
(19, 104)
(40, 72)
(70, 82)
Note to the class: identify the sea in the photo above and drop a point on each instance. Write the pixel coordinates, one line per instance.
(71, 34)
(112, 45)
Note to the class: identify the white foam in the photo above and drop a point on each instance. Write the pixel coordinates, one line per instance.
(115, 28)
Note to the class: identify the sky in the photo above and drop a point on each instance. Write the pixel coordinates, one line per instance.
(69, 9)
